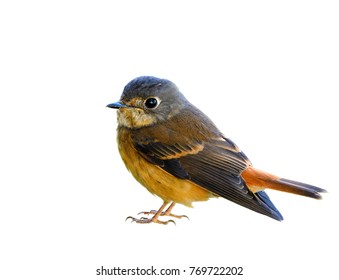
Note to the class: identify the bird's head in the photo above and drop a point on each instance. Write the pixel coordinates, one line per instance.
(146, 101)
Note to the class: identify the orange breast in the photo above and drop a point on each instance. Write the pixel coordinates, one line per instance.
(156, 180)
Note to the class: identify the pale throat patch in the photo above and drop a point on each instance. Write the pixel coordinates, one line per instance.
(134, 118)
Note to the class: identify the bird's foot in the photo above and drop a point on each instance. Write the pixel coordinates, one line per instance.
(144, 220)
(164, 213)
(157, 214)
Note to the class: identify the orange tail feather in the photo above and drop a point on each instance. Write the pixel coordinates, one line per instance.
(257, 180)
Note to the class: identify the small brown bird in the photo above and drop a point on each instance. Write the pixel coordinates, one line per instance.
(178, 154)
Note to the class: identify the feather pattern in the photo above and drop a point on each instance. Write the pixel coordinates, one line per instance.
(215, 164)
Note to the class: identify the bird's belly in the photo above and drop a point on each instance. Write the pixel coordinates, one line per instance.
(156, 180)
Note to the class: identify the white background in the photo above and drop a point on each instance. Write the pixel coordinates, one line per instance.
(265, 71)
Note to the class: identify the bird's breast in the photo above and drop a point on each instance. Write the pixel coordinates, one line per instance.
(156, 180)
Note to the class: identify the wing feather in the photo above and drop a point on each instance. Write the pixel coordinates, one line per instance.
(215, 165)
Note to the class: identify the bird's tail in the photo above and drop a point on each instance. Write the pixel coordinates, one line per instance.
(258, 180)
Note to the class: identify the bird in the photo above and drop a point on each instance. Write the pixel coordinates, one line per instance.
(178, 154)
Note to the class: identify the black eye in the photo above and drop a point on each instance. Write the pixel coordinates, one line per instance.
(151, 103)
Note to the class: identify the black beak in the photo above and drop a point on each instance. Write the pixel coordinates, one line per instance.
(117, 105)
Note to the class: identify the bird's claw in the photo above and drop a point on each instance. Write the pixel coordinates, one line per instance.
(153, 212)
(148, 212)
(177, 216)
(144, 220)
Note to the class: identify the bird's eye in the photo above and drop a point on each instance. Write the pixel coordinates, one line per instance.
(151, 103)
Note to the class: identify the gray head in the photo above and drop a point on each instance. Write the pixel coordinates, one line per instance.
(148, 100)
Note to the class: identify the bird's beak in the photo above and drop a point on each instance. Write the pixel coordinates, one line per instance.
(117, 105)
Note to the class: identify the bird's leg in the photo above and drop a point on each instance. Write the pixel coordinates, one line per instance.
(154, 219)
(167, 212)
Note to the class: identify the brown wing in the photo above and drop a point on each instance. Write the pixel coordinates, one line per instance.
(215, 165)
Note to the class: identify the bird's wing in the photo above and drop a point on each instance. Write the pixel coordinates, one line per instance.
(215, 165)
